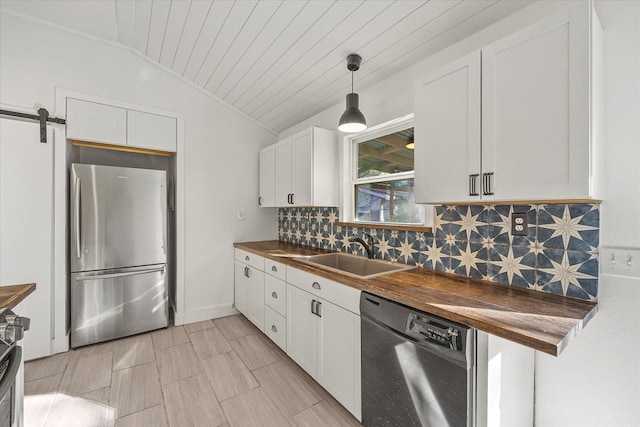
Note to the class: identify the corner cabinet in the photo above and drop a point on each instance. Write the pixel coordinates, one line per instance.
(512, 121)
(110, 126)
(305, 170)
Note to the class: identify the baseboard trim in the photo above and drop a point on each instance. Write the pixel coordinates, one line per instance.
(206, 313)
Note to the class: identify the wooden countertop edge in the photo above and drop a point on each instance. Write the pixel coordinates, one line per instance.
(12, 295)
(382, 286)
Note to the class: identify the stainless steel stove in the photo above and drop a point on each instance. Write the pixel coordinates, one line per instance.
(12, 328)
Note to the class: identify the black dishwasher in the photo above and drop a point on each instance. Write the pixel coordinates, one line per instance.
(417, 369)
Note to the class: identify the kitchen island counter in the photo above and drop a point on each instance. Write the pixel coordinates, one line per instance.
(532, 318)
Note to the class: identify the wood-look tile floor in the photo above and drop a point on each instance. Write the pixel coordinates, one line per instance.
(221, 372)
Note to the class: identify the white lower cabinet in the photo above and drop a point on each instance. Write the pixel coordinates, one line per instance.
(338, 357)
(255, 298)
(323, 338)
(249, 287)
(275, 327)
(302, 330)
(275, 302)
(240, 287)
(505, 373)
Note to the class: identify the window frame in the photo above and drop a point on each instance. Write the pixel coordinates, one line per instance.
(350, 172)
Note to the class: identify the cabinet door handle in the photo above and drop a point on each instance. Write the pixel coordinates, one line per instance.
(274, 268)
(318, 307)
(487, 183)
(292, 201)
(313, 306)
(247, 258)
(316, 285)
(273, 328)
(260, 201)
(274, 295)
(289, 198)
(472, 184)
(246, 271)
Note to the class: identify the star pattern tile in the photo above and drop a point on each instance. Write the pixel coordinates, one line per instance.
(436, 255)
(569, 227)
(559, 255)
(408, 251)
(471, 227)
(572, 272)
(470, 261)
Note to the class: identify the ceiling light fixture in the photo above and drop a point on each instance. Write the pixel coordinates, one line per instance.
(352, 119)
(410, 145)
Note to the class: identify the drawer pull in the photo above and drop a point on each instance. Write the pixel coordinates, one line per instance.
(274, 295)
(247, 257)
(273, 328)
(315, 285)
(274, 268)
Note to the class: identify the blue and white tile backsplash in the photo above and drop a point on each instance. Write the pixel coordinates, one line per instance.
(559, 254)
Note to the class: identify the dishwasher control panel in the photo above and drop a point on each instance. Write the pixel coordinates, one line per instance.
(431, 330)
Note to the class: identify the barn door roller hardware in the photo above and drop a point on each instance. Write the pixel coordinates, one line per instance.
(42, 117)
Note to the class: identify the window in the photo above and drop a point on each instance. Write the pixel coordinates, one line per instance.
(382, 176)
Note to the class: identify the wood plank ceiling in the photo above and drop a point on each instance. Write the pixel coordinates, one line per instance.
(279, 62)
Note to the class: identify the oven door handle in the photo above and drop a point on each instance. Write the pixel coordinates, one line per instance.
(9, 378)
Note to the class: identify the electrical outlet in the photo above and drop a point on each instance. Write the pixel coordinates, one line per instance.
(519, 224)
(240, 214)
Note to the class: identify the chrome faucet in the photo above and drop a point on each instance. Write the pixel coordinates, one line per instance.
(369, 247)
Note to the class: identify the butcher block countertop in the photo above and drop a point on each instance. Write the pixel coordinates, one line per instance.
(11, 295)
(535, 319)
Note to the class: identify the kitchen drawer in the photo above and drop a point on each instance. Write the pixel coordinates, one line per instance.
(275, 269)
(275, 294)
(337, 293)
(255, 261)
(275, 326)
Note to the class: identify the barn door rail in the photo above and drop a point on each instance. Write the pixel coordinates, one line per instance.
(42, 117)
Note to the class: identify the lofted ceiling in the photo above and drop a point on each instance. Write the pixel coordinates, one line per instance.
(279, 62)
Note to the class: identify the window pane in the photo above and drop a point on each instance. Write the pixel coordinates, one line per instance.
(386, 154)
(387, 201)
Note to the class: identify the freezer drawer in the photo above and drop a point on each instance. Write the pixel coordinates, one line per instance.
(111, 304)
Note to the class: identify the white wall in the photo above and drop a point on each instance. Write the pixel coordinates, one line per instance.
(596, 380)
(220, 150)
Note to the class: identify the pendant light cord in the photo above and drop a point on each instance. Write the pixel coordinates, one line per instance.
(352, 82)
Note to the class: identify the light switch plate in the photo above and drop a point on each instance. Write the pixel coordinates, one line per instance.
(620, 261)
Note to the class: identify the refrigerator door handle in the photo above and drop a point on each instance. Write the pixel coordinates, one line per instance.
(115, 275)
(76, 215)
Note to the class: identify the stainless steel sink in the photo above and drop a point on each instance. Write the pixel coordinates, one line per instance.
(354, 265)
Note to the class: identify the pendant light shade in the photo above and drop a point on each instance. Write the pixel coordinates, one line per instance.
(352, 120)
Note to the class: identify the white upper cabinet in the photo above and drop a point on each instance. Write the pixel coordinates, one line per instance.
(267, 197)
(530, 129)
(307, 169)
(152, 131)
(111, 125)
(93, 122)
(447, 133)
(283, 172)
(302, 168)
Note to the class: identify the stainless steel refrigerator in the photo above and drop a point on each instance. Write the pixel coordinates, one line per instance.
(118, 252)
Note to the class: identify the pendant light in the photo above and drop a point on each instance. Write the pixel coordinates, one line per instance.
(352, 119)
